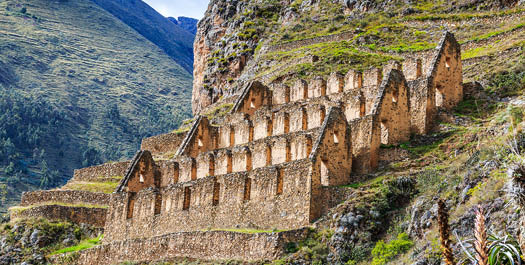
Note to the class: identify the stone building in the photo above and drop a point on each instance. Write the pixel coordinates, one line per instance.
(272, 162)
(266, 165)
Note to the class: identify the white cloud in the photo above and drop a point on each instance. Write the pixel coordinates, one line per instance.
(176, 8)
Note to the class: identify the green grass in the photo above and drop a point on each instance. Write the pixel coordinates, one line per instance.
(385, 252)
(497, 32)
(84, 244)
(373, 182)
(462, 16)
(333, 57)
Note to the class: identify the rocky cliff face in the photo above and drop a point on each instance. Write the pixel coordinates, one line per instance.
(209, 42)
(235, 38)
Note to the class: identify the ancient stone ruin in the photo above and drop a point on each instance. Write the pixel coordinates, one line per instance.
(272, 163)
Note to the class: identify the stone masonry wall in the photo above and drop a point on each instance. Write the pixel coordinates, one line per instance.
(101, 173)
(210, 245)
(64, 196)
(79, 215)
(269, 197)
(366, 137)
(164, 143)
(393, 109)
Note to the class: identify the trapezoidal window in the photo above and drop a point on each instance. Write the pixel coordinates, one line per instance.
(288, 151)
(193, 169)
(362, 109)
(158, 203)
(308, 145)
(384, 132)
(232, 136)
(279, 185)
(440, 96)
(268, 155)
(200, 144)
(176, 173)
(336, 137)
(447, 62)
(269, 127)
(216, 193)
(187, 198)
(167, 205)
(248, 160)
(229, 163)
(286, 123)
(305, 120)
(252, 103)
(211, 165)
(247, 189)
(131, 205)
(325, 180)
(395, 94)
(141, 178)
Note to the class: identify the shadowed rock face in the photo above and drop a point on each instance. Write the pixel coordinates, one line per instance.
(187, 23)
(175, 40)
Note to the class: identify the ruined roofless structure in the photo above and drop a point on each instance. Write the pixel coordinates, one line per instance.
(274, 162)
(267, 165)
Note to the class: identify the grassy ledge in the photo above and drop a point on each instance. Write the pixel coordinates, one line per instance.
(84, 244)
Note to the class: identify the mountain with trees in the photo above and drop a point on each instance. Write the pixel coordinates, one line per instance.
(79, 87)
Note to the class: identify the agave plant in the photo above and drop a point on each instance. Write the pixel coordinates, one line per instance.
(501, 250)
(489, 250)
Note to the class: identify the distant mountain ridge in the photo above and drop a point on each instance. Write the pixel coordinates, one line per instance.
(173, 39)
(187, 23)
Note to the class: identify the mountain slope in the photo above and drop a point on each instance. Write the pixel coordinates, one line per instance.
(171, 38)
(101, 87)
(187, 23)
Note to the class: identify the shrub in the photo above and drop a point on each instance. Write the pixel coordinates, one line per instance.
(384, 252)
(508, 83)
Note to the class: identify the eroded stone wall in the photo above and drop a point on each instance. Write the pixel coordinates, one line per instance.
(277, 197)
(446, 75)
(79, 215)
(64, 196)
(208, 245)
(164, 143)
(393, 109)
(366, 139)
(101, 173)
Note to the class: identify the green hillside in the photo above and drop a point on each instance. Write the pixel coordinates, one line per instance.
(78, 87)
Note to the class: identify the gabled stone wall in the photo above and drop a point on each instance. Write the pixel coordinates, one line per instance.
(393, 109)
(278, 197)
(273, 159)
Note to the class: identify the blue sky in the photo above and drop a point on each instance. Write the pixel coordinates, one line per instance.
(176, 8)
